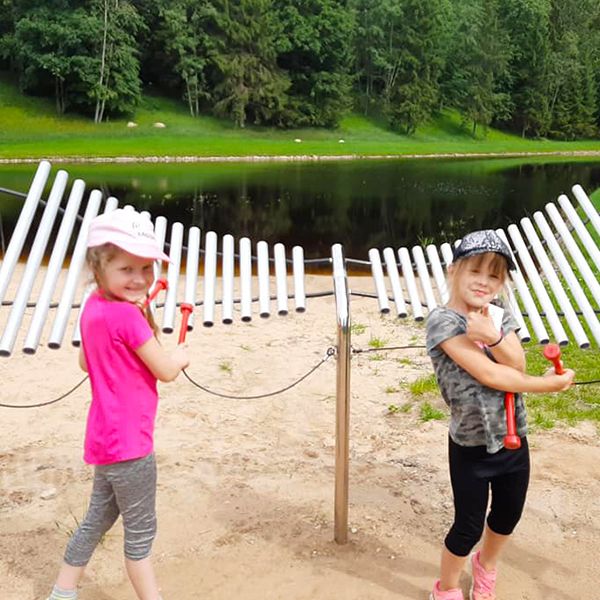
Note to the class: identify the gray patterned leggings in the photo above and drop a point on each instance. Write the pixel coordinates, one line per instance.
(127, 488)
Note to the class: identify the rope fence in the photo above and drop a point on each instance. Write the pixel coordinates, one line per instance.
(329, 353)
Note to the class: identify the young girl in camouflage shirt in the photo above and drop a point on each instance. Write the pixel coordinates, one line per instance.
(474, 364)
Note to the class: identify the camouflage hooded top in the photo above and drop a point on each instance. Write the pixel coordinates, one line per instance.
(477, 412)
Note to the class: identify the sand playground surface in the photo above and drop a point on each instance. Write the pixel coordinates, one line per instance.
(246, 487)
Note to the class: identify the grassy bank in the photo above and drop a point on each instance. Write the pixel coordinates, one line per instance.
(545, 411)
(30, 128)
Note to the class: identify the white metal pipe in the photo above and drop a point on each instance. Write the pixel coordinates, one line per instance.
(567, 272)
(582, 232)
(111, 204)
(377, 273)
(394, 277)
(535, 281)
(76, 337)
(411, 284)
(528, 302)
(210, 277)
(424, 280)
(281, 279)
(191, 271)
(17, 239)
(555, 284)
(573, 249)
(513, 305)
(77, 261)
(523, 331)
(340, 284)
(245, 279)
(57, 257)
(437, 272)
(173, 269)
(446, 250)
(264, 300)
(32, 267)
(228, 279)
(298, 266)
(588, 208)
(160, 232)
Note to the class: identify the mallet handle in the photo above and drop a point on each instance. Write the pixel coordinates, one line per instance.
(511, 440)
(552, 353)
(186, 311)
(161, 284)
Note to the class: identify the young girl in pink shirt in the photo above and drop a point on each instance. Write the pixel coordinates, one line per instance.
(124, 361)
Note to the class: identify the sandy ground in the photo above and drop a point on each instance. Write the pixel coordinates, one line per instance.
(246, 487)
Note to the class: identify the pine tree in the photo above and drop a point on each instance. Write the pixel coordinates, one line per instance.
(250, 86)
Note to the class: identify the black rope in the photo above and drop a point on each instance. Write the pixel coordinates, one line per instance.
(330, 352)
(586, 382)
(361, 351)
(45, 403)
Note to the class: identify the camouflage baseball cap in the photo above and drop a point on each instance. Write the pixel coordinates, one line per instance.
(480, 242)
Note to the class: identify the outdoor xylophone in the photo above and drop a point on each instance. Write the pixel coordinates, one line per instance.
(555, 283)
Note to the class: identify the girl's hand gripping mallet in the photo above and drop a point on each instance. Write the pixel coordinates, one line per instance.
(552, 353)
(161, 284)
(186, 311)
(511, 440)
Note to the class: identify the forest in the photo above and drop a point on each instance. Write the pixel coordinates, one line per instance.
(530, 67)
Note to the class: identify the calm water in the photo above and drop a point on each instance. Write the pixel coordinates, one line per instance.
(361, 204)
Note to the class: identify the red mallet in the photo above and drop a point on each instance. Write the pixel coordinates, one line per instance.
(511, 440)
(552, 353)
(160, 284)
(186, 311)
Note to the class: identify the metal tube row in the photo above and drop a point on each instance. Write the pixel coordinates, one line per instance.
(567, 272)
(420, 279)
(57, 257)
(7, 341)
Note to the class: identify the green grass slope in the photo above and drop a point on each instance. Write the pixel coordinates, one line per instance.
(30, 128)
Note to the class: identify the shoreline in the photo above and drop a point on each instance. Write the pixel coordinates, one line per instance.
(297, 157)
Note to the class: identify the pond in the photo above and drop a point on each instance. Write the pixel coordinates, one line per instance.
(360, 204)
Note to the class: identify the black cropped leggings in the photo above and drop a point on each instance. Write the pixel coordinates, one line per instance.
(473, 473)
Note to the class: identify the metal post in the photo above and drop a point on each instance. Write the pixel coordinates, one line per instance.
(342, 443)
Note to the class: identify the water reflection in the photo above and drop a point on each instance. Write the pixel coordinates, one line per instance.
(360, 204)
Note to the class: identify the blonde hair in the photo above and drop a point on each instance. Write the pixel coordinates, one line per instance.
(498, 267)
(97, 258)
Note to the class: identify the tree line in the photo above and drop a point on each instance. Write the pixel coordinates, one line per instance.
(526, 66)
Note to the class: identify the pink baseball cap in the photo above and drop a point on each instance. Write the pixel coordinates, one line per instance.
(127, 229)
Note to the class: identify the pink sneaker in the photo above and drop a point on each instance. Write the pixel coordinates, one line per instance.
(483, 586)
(437, 594)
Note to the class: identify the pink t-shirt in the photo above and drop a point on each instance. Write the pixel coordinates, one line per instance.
(120, 423)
